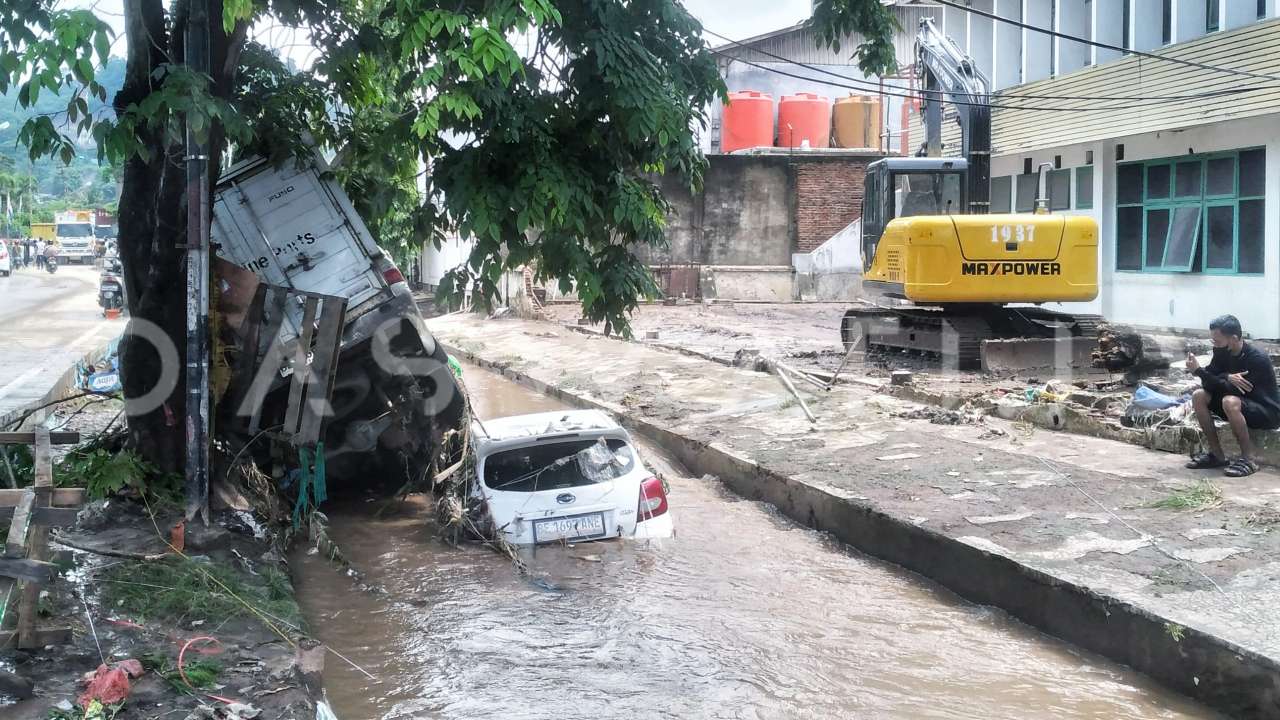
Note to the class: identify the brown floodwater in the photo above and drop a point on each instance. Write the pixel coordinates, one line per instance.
(744, 614)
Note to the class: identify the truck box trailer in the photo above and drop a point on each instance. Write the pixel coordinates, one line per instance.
(292, 225)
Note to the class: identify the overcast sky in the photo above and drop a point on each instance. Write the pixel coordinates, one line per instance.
(737, 19)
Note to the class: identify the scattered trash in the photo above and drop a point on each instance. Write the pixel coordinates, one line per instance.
(940, 416)
(1148, 399)
(900, 377)
(109, 685)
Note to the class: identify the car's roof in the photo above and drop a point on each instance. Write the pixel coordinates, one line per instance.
(525, 427)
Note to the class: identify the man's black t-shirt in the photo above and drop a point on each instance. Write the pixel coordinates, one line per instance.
(1261, 374)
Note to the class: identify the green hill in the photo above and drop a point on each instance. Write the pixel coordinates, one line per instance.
(83, 180)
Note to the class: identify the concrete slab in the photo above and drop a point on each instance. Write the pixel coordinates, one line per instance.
(1095, 562)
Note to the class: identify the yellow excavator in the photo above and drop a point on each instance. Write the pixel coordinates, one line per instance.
(928, 237)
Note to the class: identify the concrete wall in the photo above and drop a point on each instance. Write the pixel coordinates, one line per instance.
(1236, 13)
(1183, 301)
(982, 37)
(756, 210)
(1073, 19)
(1147, 18)
(1037, 47)
(1007, 60)
(1189, 20)
(1108, 26)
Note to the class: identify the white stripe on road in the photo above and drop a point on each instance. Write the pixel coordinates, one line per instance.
(78, 342)
(75, 344)
(18, 381)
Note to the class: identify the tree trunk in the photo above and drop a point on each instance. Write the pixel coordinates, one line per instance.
(152, 221)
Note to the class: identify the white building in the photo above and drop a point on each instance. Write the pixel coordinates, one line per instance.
(1179, 162)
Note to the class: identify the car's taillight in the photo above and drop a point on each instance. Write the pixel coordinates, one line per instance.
(393, 275)
(653, 499)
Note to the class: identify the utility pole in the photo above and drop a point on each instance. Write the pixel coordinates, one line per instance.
(197, 246)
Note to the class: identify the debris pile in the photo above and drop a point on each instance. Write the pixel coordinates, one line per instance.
(941, 416)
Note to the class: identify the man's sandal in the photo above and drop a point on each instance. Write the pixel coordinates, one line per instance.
(1241, 467)
(1206, 461)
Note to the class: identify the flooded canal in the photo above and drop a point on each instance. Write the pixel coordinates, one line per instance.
(743, 614)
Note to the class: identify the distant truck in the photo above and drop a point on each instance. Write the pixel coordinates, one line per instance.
(294, 226)
(74, 231)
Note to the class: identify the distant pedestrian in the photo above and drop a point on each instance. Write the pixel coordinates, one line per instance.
(1239, 385)
(40, 252)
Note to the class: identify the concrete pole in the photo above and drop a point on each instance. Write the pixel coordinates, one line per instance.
(197, 411)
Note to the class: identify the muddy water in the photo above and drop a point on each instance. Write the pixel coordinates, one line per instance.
(743, 615)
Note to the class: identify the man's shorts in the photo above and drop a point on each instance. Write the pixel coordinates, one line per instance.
(1255, 415)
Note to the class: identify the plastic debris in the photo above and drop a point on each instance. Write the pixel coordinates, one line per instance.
(108, 685)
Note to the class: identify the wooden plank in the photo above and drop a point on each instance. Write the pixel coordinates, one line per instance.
(16, 544)
(250, 350)
(41, 637)
(301, 370)
(37, 549)
(55, 516)
(272, 358)
(62, 497)
(31, 571)
(333, 314)
(29, 438)
(43, 460)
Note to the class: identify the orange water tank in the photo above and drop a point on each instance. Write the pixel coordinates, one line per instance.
(857, 121)
(748, 121)
(804, 116)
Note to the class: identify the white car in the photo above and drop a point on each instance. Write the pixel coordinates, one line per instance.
(566, 476)
(6, 262)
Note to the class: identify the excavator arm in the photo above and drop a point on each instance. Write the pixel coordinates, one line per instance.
(952, 76)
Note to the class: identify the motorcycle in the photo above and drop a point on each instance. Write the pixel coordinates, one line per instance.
(111, 288)
(51, 264)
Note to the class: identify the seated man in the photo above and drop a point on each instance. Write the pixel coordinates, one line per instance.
(1239, 386)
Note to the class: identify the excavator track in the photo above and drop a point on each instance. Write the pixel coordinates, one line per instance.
(953, 334)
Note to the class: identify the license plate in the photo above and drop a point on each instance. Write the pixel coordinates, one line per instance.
(577, 527)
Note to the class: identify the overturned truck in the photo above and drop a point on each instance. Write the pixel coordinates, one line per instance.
(303, 287)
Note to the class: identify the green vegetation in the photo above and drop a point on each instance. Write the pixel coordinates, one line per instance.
(183, 589)
(1203, 494)
(102, 472)
(202, 672)
(1177, 632)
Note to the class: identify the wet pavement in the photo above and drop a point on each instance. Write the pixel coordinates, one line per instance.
(743, 614)
(47, 323)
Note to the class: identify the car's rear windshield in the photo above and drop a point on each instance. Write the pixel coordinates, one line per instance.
(555, 465)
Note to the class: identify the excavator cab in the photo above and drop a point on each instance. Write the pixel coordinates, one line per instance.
(908, 187)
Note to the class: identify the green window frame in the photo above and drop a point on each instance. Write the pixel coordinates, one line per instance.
(1188, 216)
(1058, 184)
(1084, 187)
(1002, 194)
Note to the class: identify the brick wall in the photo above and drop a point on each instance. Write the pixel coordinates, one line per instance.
(828, 196)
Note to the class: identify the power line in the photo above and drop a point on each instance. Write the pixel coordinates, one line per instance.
(1107, 46)
(915, 95)
(872, 85)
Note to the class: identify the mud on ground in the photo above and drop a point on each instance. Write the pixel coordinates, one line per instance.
(125, 595)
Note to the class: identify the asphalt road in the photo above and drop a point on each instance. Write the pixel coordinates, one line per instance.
(47, 323)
